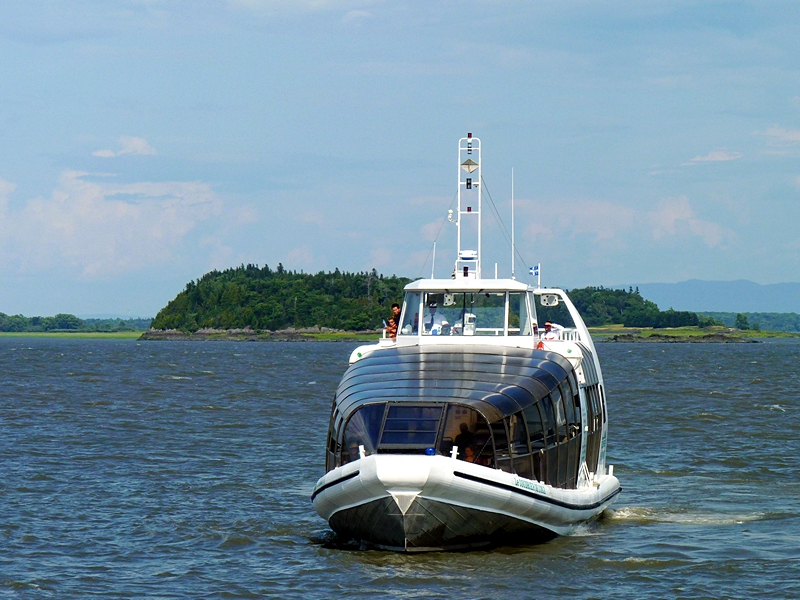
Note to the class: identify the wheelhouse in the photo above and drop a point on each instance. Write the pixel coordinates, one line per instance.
(509, 409)
(475, 311)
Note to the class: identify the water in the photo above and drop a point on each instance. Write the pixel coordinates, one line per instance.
(184, 470)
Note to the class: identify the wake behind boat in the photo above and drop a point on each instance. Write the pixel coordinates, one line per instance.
(476, 426)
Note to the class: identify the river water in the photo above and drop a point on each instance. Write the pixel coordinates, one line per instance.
(184, 470)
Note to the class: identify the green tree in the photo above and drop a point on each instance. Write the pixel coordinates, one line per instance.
(741, 322)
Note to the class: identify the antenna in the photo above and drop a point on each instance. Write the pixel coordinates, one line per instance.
(512, 223)
(433, 262)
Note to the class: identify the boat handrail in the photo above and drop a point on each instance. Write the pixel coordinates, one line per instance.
(562, 335)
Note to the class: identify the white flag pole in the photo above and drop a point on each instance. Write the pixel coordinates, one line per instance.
(512, 223)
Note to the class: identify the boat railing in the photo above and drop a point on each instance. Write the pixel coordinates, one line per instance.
(562, 335)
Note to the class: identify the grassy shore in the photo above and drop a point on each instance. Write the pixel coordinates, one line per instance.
(82, 335)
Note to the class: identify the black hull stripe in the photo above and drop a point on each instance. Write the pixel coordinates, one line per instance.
(333, 483)
(511, 488)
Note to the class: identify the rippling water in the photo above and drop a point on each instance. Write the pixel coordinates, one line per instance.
(170, 469)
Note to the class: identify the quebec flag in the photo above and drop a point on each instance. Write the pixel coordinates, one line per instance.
(534, 270)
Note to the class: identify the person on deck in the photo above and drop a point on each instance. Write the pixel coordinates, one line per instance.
(394, 322)
(552, 331)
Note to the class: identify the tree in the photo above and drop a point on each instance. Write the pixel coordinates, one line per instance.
(741, 322)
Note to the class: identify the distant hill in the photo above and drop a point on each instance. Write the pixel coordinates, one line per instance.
(739, 296)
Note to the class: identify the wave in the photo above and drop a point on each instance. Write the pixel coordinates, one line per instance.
(655, 515)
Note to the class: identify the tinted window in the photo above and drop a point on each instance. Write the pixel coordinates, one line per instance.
(467, 429)
(549, 419)
(411, 425)
(490, 313)
(535, 428)
(558, 411)
(410, 315)
(362, 429)
(518, 319)
(518, 434)
(502, 457)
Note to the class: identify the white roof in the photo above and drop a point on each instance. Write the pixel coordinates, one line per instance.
(468, 285)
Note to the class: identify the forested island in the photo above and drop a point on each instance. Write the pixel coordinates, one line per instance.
(274, 299)
(261, 298)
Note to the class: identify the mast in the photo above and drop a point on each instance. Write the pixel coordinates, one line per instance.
(468, 219)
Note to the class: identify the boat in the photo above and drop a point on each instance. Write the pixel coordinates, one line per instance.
(477, 426)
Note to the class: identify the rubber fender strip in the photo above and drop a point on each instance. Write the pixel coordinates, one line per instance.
(333, 483)
(511, 488)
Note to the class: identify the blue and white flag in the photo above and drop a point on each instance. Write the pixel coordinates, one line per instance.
(534, 270)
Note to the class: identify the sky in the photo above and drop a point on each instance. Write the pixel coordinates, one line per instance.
(147, 142)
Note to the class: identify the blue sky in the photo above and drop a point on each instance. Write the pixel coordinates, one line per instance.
(146, 142)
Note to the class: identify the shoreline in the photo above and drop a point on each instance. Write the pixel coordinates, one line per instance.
(309, 334)
(660, 338)
(605, 334)
(83, 335)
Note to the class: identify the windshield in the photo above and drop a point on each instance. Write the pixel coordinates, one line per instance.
(479, 313)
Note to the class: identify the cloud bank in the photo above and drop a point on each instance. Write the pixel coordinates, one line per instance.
(98, 229)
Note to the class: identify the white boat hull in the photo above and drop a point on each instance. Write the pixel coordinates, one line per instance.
(419, 503)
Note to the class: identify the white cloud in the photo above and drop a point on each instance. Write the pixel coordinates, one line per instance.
(301, 256)
(596, 219)
(430, 231)
(676, 216)
(130, 145)
(781, 135)
(718, 155)
(356, 15)
(221, 255)
(99, 229)
(6, 189)
(381, 257)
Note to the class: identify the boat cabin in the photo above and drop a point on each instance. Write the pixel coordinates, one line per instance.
(504, 408)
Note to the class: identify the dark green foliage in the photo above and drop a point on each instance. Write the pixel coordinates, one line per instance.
(741, 322)
(604, 306)
(61, 322)
(262, 298)
(707, 321)
(65, 322)
(135, 324)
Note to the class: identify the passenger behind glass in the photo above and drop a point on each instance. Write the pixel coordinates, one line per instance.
(434, 323)
(352, 452)
(470, 455)
(463, 440)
